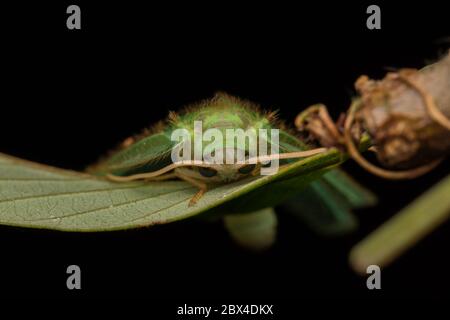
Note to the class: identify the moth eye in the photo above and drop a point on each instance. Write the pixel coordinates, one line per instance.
(267, 165)
(247, 169)
(207, 172)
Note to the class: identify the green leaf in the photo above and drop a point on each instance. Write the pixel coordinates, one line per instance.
(39, 196)
(328, 213)
(330, 202)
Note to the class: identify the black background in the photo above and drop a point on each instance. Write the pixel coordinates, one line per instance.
(68, 96)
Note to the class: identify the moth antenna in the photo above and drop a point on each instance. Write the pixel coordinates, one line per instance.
(289, 155)
(157, 173)
(303, 154)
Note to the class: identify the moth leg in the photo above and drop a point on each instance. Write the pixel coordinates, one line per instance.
(162, 177)
(199, 184)
(257, 170)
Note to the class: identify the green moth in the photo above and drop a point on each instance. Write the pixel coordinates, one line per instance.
(139, 184)
(148, 157)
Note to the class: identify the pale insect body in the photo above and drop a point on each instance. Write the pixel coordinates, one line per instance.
(149, 157)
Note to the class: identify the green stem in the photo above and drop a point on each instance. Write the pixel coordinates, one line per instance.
(403, 230)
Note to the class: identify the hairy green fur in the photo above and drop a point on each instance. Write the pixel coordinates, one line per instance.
(150, 152)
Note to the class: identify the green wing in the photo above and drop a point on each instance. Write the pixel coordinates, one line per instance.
(326, 204)
(148, 154)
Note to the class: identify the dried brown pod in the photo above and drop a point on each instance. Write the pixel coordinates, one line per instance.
(406, 115)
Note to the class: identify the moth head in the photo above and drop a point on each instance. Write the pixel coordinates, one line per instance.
(230, 166)
(224, 172)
